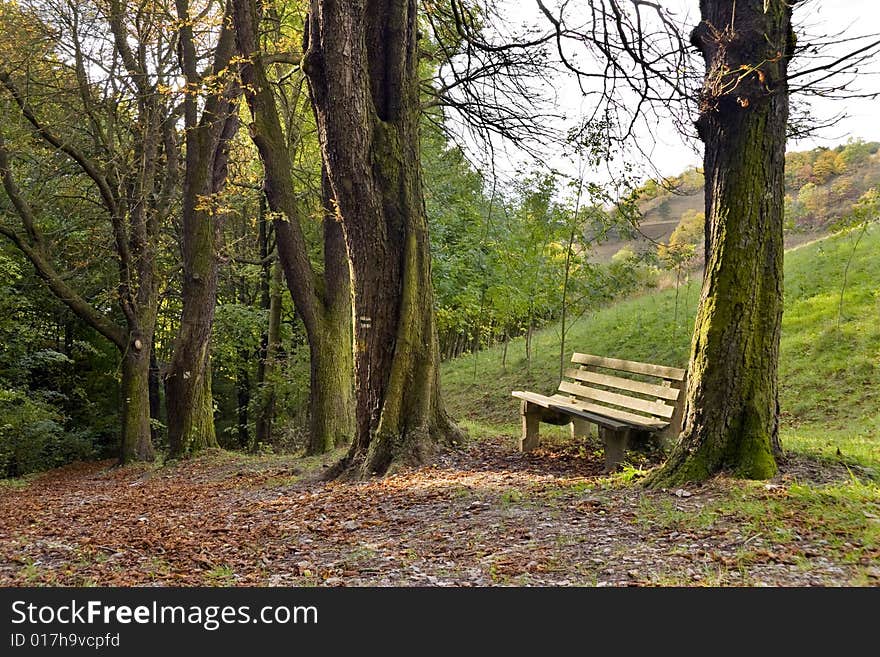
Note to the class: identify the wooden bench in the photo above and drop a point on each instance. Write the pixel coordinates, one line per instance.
(625, 399)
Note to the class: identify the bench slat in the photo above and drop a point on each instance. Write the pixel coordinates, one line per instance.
(570, 409)
(635, 367)
(534, 397)
(640, 421)
(624, 384)
(654, 408)
(562, 404)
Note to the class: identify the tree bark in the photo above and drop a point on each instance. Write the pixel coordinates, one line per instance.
(189, 399)
(269, 363)
(731, 420)
(243, 386)
(322, 302)
(155, 386)
(361, 62)
(263, 422)
(331, 402)
(135, 444)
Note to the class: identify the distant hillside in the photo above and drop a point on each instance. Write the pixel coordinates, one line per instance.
(821, 186)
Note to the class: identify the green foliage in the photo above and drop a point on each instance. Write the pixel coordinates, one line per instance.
(684, 244)
(857, 153)
(32, 435)
(458, 212)
(236, 337)
(823, 184)
(56, 379)
(810, 197)
(500, 252)
(630, 272)
(651, 189)
(691, 229)
(688, 182)
(827, 165)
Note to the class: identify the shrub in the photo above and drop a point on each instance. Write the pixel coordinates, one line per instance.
(32, 436)
(629, 272)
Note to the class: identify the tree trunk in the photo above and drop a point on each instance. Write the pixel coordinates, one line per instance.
(155, 384)
(135, 391)
(262, 425)
(332, 402)
(361, 61)
(189, 399)
(243, 399)
(322, 302)
(732, 405)
(268, 363)
(188, 395)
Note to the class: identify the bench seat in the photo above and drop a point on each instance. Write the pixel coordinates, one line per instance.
(624, 399)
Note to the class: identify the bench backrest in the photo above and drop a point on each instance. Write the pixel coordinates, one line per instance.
(642, 393)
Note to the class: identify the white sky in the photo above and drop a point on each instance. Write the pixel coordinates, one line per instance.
(670, 153)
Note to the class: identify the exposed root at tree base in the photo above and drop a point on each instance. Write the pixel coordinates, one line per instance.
(386, 454)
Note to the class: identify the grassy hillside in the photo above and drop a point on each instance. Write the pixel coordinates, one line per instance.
(829, 376)
(821, 185)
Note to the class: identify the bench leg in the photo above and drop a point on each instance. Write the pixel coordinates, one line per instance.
(531, 421)
(580, 428)
(615, 446)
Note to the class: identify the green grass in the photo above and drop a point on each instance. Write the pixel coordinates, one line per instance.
(18, 482)
(843, 518)
(221, 576)
(829, 376)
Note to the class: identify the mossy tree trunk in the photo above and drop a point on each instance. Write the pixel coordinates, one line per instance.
(361, 62)
(331, 399)
(731, 416)
(136, 443)
(189, 399)
(322, 299)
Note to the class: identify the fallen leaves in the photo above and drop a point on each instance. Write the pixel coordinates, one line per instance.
(479, 516)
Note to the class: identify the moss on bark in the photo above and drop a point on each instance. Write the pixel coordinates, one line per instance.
(135, 444)
(411, 422)
(731, 413)
(191, 409)
(362, 68)
(331, 400)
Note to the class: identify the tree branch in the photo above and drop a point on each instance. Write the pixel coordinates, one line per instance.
(88, 167)
(35, 252)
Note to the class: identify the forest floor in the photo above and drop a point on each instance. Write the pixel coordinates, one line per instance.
(481, 515)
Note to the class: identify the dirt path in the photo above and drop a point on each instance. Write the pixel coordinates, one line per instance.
(484, 515)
